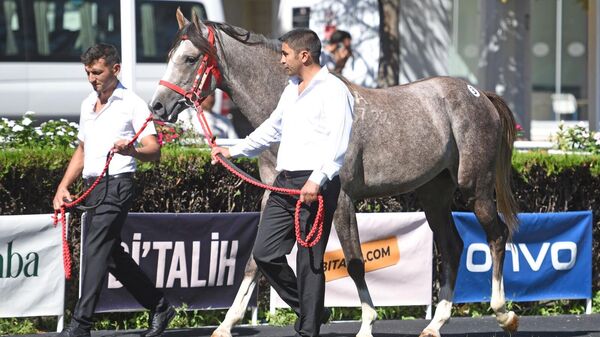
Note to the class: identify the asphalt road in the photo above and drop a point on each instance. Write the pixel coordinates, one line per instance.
(530, 326)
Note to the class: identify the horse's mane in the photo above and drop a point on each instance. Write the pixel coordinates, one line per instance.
(239, 34)
(244, 36)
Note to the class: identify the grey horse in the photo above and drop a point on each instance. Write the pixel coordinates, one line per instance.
(432, 137)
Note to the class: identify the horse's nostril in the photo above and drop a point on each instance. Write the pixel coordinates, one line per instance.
(157, 106)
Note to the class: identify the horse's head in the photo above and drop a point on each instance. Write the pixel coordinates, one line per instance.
(192, 70)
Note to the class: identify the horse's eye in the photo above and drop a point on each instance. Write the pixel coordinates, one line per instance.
(191, 60)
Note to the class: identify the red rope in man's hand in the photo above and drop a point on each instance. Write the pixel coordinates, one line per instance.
(59, 215)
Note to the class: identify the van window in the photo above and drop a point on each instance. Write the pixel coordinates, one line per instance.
(61, 30)
(156, 27)
(11, 31)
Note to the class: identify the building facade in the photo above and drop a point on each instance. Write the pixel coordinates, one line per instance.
(542, 56)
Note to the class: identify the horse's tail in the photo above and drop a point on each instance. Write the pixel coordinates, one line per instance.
(507, 204)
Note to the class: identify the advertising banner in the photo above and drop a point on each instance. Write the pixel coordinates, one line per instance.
(196, 260)
(550, 257)
(397, 249)
(32, 276)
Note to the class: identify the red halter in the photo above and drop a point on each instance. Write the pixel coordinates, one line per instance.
(207, 67)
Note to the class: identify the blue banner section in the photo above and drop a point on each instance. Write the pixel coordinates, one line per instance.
(196, 260)
(550, 257)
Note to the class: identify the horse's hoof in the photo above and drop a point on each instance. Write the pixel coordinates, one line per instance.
(364, 334)
(512, 322)
(429, 333)
(221, 333)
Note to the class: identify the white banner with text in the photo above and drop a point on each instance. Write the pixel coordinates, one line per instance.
(398, 251)
(32, 277)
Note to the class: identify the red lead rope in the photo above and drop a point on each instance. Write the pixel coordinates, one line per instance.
(59, 215)
(317, 227)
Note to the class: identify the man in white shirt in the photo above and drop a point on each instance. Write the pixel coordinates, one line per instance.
(110, 117)
(312, 124)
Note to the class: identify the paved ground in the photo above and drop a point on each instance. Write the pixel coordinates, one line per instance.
(531, 326)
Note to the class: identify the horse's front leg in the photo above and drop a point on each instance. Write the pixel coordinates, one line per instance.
(240, 303)
(347, 230)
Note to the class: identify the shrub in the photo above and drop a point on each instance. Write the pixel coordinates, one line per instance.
(577, 138)
(184, 181)
(23, 133)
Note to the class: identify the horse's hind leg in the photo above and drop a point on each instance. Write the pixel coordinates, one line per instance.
(240, 303)
(436, 198)
(497, 234)
(347, 230)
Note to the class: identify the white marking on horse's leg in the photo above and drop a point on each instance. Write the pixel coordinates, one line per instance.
(369, 315)
(497, 301)
(441, 316)
(508, 321)
(240, 303)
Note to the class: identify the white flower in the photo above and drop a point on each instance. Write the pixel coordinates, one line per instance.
(28, 113)
(49, 133)
(39, 132)
(18, 128)
(60, 133)
(71, 133)
(26, 121)
(63, 120)
(11, 123)
(73, 124)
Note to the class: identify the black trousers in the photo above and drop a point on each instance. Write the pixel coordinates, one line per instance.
(102, 252)
(275, 239)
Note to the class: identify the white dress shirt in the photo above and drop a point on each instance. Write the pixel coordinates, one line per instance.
(313, 128)
(121, 117)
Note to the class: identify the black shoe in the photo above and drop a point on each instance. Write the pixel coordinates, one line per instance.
(325, 315)
(74, 330)
(159, 322)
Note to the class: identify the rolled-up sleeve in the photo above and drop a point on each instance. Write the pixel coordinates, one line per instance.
(140, 114)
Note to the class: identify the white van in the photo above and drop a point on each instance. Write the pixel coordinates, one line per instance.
(41, 42)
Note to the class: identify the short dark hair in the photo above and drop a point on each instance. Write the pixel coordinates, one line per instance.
(303, 39)
(105, 51)
(339, 36)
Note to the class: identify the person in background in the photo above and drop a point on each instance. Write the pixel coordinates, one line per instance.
(110, 117)
(337, 51)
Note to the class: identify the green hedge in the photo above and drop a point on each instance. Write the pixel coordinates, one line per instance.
(184, 181)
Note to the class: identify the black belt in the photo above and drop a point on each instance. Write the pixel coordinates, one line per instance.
(295, 174)
(90, 180)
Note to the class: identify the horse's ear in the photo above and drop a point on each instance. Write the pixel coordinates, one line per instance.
(197, 21)
(181, 20)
